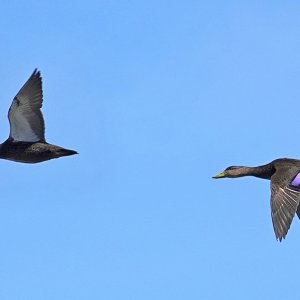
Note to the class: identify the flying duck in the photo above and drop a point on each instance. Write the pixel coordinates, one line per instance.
(284, 174)
(26, 142)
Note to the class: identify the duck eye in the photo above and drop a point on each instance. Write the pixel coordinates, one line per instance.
(231, 168)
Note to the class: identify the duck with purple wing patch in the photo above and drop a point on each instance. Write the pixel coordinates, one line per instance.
(26, 142)
(284, 174)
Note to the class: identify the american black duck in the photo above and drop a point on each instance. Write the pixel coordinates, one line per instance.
(284, 174)
(26, 142)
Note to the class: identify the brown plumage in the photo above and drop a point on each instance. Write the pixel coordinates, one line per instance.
(284, 174)
(26, 142)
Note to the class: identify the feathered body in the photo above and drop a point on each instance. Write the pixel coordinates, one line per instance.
(26, 142)
(284, 174)
(32, 152)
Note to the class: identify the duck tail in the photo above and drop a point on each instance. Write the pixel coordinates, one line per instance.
(66, 152)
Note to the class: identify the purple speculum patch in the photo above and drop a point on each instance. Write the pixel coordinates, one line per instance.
(296, 180)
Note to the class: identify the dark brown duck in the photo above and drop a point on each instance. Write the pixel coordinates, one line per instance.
(26, 142)
(284, 174)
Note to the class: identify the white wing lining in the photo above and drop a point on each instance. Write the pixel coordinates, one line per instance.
(25, 116)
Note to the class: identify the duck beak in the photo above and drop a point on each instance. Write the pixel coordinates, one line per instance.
(221, 175)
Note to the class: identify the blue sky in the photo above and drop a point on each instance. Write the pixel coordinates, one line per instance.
(156, 96)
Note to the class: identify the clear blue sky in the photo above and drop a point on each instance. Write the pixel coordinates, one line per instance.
(156, 96)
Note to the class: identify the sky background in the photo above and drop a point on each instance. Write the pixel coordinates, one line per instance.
(157, 97)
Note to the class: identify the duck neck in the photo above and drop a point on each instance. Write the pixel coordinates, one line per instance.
(265, 171)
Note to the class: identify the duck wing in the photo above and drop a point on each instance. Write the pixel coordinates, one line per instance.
(285, 198)
(24, 115)
(298, 211)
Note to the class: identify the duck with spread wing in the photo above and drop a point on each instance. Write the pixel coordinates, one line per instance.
(26, 142)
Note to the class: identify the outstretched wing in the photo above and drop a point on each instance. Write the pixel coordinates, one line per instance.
(284, 203)
(25, 116)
